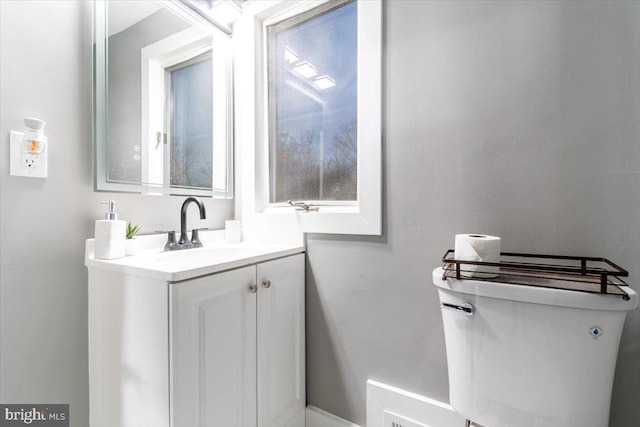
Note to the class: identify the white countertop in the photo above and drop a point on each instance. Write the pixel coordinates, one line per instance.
(173, 266)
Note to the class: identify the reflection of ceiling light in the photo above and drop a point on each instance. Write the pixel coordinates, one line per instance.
(305, 69)
(290, 56)
(324, 82)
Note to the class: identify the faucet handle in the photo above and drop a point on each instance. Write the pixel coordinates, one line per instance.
(195, 240)
(171, 241)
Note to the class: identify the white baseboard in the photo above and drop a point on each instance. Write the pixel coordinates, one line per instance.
(316, 417)
(383, 400)
(428, 412)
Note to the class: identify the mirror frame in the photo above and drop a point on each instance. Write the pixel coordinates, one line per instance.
(222, 185)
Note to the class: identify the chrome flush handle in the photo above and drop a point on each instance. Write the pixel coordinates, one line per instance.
(464, 308)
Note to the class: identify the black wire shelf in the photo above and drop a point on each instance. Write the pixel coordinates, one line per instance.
(573, 273)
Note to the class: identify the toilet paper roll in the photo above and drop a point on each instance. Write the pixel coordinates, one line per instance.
(477, 247)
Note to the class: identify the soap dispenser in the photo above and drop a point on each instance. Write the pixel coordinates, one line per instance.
(110, 235)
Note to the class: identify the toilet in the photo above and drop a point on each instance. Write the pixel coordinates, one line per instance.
(527, 356)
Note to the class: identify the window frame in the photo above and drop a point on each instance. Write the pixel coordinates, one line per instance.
(363, 218)
(275, 28)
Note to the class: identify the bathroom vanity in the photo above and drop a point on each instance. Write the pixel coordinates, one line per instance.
(212, 336)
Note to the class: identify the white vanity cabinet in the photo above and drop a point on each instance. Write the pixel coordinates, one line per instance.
(224, 349)
(227, 326)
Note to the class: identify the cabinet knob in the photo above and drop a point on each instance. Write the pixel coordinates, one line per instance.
(266, 284)
(253, 289)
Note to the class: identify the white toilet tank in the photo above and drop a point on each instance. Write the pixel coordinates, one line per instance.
(524, 356)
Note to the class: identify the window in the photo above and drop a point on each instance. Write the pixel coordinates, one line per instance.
(191, 123)
(313, 105)
(186, 105)
(308, 80)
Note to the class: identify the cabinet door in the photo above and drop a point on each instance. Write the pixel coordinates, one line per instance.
(213, 350)
(281, 346)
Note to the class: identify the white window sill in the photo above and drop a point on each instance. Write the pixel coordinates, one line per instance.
(331, 219)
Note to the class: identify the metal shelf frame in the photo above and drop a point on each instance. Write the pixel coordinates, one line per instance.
(549, 267)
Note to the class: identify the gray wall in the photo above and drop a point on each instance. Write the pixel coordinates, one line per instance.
(45, 71)
(124, 112)
(516, 119)
(519, 119)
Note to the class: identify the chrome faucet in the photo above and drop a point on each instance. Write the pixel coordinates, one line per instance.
(184, 242)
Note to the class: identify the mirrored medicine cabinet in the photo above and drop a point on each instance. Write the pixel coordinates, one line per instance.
(162, 101)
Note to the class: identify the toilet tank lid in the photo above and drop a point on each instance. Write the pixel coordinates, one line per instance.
(536, 294)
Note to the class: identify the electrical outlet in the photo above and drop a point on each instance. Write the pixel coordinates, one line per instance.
(30, 160)
(21, 163)
(395, 420)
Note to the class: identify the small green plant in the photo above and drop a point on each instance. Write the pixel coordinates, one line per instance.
(132, 230)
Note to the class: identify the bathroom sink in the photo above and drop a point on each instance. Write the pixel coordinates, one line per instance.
(188, 259)
(182, 258)
(175, 266)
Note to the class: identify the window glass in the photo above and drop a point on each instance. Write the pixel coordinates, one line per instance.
(313, 106)
(191, 126)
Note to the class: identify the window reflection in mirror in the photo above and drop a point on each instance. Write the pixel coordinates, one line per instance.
(190, 120)
(162, 101)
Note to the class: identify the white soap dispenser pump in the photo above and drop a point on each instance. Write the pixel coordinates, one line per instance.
(110, 234)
